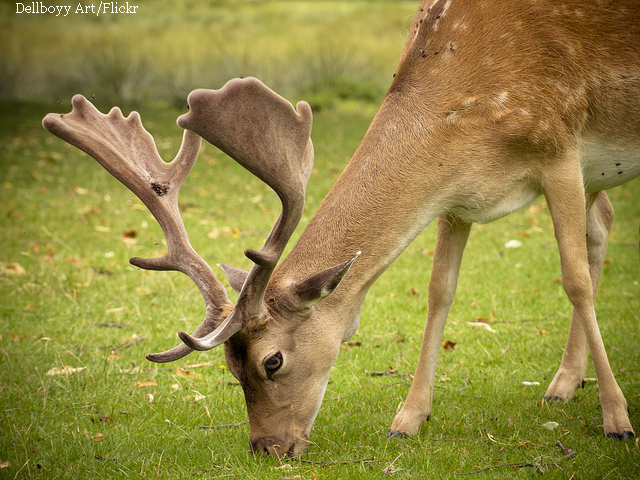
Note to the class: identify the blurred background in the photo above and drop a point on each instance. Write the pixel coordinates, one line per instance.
(322, 51)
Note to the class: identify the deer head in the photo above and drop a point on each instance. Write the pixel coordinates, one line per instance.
(268, 333)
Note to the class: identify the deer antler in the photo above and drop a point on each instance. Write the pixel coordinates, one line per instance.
(127, 151)
(266, 135)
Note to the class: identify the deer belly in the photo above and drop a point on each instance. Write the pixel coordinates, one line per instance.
(485, 207)
(607, 164)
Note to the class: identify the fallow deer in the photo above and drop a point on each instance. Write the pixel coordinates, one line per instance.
(493, 104)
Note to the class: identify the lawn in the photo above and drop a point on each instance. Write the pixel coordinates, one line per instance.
(77, 397)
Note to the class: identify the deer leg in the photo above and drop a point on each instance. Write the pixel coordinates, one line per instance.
(450, 244)
(572, 369)
(565, 195)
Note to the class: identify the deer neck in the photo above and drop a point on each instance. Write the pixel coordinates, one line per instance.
(373, 208)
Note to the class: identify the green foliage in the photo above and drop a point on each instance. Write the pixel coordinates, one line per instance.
(167, 49)
(70, 298)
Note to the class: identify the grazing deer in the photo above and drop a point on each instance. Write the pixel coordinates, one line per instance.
(493, 104)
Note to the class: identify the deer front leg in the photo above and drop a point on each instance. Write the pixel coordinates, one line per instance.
(564, 191)
(572, 369)
(450, 244)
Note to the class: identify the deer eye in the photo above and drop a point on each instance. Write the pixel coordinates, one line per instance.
(272, 364)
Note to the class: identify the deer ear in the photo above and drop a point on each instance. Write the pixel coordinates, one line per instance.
(315, 287)
(235, 276)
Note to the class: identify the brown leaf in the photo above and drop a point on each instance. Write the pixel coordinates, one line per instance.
(145, 383)
(12, 269)
(413, 293)
(5, 464)
(448, 345)
(185, 373)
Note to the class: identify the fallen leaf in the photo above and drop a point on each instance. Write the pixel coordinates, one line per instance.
(513, 244)
(485, 326)
(150, 398)
(12, 269)
(198, 396)
(97, 437)
(5, 464)
(544, 332)
(145, 383)
(185, 373)
(448, 345)
(101, 228)
(413, 293)
(537, 208)
(550, 425)
(64, 370)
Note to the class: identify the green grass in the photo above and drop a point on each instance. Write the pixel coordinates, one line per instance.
(65, 275)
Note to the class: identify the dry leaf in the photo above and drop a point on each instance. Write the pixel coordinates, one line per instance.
(544, 332)
(101, 228)
(5, 464)
(65, 370)
(12, 269)
(413, 293)
(485, 326)
(550, 425)
(97, 437)
(145, 383)
(513, 244)
(448, 345)
(198, 396)
(150, 397)
(186, 373)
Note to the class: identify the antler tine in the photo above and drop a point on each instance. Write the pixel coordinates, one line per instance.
(265, 134)
(127, 151)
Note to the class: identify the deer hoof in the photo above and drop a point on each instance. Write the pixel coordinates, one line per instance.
(396, 434)
(553, 399)
(621, 436)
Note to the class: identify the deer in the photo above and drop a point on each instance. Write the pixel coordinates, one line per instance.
(493, 104)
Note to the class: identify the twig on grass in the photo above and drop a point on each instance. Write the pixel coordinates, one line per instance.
(122, 345)
(343, 462)
(536, 462)
(225, 425)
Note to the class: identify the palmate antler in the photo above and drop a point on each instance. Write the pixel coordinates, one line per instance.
(248, 121)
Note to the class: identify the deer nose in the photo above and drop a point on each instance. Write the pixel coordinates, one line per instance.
(266, 446)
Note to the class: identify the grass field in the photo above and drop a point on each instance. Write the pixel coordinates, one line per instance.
(77, 397)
